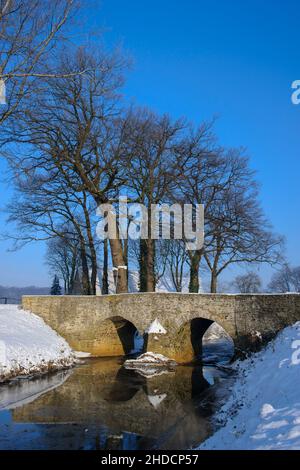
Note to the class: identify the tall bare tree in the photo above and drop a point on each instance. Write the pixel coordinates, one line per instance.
(29, 34)
(152, 155)
(238, 231)
(202, 170)
(74, 129)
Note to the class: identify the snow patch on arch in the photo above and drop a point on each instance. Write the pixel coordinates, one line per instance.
(156, 328)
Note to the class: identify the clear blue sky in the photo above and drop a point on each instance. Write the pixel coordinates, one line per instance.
(231, 58)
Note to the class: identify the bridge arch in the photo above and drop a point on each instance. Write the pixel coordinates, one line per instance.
(118, 336)
(186, 343)
(188, 339)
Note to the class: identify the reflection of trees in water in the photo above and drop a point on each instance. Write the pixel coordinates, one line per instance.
(121, 409)
(179, 392)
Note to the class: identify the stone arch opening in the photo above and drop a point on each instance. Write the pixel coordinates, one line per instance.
(217, 344)
(119, 337)
(193, 340)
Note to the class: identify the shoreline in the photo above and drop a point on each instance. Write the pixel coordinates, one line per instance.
(263, 409)
(28, 346)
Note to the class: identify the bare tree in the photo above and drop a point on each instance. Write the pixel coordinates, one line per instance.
(80, 148)
(29, 33)
(177, 262)
(62, 257)
(152, 154)
(238, 231)
(74, 130)
(249, 283)
(286, 280)
(202, 169)
(43, 209)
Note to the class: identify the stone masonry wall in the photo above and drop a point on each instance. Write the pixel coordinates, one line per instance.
(84, 321)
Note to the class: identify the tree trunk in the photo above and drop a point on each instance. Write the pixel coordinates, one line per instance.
(93, 254)
(213, 282)
(147, 265)
(118, 262)
(125, 251)
(94, 273)
(116, 250)
(150, 266)
(194, 272)
(142, 266)
(73, 271)
(86, 288)
(105, 269)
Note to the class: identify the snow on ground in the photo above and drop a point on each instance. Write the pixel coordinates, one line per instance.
(165, 283)
(28, 345)
(263, 411)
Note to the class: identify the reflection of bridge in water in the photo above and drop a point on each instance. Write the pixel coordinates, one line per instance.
(163, 411)
(106, 325)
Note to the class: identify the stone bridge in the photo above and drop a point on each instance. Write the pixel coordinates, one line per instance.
(106, 325)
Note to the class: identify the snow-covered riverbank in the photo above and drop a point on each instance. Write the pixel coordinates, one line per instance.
(28, 345)
(263, 411)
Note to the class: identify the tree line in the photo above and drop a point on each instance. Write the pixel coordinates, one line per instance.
(72, 143)
(285, 279)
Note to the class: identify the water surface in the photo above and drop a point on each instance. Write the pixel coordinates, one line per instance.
(102, 405)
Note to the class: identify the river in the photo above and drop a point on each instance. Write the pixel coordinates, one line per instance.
(99, 404)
